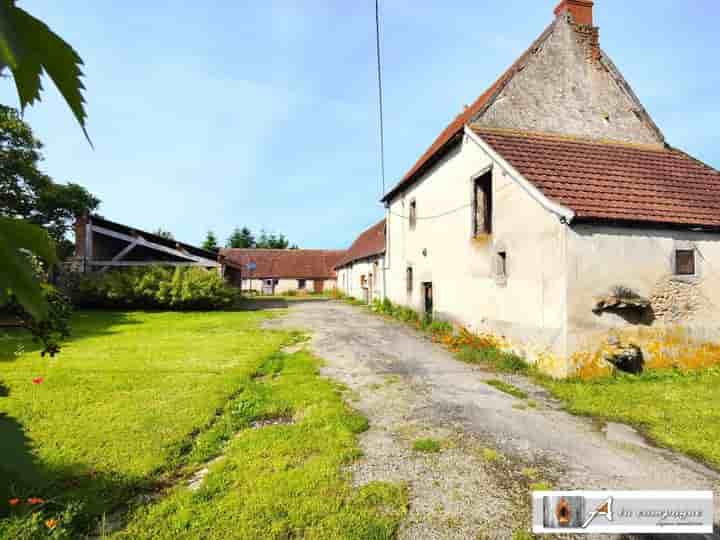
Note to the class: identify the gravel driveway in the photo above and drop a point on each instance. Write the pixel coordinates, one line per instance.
(493, 445)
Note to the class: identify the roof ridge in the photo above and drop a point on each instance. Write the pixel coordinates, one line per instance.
(570, 138)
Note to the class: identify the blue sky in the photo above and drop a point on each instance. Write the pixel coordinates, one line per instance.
(207, 115)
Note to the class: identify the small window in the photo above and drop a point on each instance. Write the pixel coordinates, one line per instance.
(409, 277)
(363, 280)
(413, 213)
(502, 264)
(685, 262)
(482, 205)
(301, 283)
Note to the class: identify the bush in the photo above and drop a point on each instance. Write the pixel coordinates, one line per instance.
(502, 361)
(154, 287)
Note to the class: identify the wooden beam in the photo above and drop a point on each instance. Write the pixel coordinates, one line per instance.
(124, 251)
(152, 245)
(210, 264)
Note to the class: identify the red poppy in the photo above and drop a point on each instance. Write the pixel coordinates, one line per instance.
(14, 502)
(38, 380)
(35, 500)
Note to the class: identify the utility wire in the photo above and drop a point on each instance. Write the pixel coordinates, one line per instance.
(380, 95)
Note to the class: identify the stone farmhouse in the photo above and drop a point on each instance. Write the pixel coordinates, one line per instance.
(279, 271)
(553, 214)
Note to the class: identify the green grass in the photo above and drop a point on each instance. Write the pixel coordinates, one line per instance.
(494, 358)
(283, 481)
(136, 400)
(507, 388)
(427, 445)
(678, 410)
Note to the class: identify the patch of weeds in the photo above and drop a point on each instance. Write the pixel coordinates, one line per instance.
(520, 405)
(490, 356)
(375, 386)
(356, 422)
(490, 455)
(522, 534)
(540, 486)
(532, 403)
(427, 445)
(507, 388)
(531, 473)
(392, 379)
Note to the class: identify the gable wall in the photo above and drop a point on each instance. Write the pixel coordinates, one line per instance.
(529, 308)
(560, 90)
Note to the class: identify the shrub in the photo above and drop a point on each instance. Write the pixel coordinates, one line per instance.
(154, 287)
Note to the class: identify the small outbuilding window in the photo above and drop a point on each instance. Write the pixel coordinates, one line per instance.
(685, 262)
(413, 213)
(482, 205)
(409, 278)
(301, 284)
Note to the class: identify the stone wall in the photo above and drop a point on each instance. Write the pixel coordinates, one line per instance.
(565, 89)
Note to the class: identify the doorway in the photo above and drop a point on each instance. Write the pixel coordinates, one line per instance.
(428, 297)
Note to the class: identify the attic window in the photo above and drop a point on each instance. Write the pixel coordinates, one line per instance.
(482, 205)
(413, 213)
(684, 262)
(502, 264)
(409, 279)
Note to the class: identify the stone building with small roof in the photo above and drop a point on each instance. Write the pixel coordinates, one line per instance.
(553, 214)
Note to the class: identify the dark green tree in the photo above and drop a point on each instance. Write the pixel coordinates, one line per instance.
(28, 48)
(163, 233)
(241, 238)
(210, 242)
(29, 194)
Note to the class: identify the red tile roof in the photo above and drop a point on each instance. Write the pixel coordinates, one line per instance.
(284, 263)
(457, 125)
(613, 181)
(370, 242)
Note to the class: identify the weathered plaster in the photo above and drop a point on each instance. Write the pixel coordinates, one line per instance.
(563, 90)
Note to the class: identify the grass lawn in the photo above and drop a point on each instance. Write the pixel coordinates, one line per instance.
(137, 399)
(678, 410)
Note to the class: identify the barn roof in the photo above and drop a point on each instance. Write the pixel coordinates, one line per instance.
(611, 180)
(370, 242)
(284, 263)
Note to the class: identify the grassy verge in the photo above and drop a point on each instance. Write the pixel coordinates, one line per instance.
(282, 480)
(680, 410)
(134, 401)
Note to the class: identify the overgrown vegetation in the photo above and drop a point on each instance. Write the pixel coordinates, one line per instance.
(678, 409)
(155, 287)
(427, 445)
(507, 388)
(138, 401)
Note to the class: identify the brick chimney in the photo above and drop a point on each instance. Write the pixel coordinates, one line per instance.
(581, 10)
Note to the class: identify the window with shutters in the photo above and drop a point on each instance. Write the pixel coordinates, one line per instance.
(409, 278)
(685, 262)
(482, 205)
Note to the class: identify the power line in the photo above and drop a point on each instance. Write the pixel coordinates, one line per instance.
(380, 95)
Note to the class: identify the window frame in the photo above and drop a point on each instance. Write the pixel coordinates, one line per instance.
(409, 279)
(302, 284)
(412, 214)
(676, 268)
(482, 182)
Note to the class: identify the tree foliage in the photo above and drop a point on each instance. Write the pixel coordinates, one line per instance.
(241, 238)
(28, 47)
(244, 238)
(210, 242)
(163, 233)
